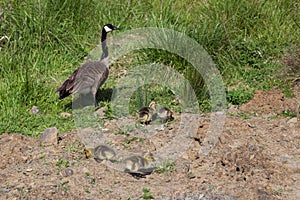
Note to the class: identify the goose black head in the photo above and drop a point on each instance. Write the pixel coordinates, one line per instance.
(109, 28)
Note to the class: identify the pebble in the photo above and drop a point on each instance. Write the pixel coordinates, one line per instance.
(85, 170)
(32, 185)
(27, 148)
(101, 112)
(251, 125)
(283, 143)
(65, 114)
(29, 170)
(34, 110)
(161, 128)
(105, 129)
(49, 136)
(292, 121)
(69, 172)
(222, 139)
(21, 185)
(25, 158)
(183, 166)
(4, 190)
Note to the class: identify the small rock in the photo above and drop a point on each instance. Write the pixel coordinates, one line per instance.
(27, 148)
(292, 120)
(34, 110)
(86, 131)
(283, 143)
(20, 185)
(105, 129)
(50, 192)
(222, 139)
(251, 125)
(24, 158)
(29, 170)
(101, 112)
(69, 172)
(185, 156)
(65, 114)
(85, 170)
(183, 166)
(252, 147)
(49, 136)
(161, 128)
(32, 185)
(2, 166)
(4, 190)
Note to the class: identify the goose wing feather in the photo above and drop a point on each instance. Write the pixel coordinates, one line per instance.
(89, 76)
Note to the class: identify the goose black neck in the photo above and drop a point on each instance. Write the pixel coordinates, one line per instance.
(104, 46)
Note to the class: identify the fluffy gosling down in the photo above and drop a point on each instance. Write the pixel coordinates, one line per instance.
(100, 153)
(165, 114)
(144, 115)
(140, 165)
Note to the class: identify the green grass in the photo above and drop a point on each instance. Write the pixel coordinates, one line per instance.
(147, 194)
(62, 163)
(247, 40)
(166, 167)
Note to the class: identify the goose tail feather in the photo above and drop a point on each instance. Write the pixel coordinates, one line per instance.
(63, 92)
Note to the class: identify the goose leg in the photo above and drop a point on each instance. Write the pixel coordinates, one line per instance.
(95, 100)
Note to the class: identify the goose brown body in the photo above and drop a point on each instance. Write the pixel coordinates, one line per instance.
(87, 78)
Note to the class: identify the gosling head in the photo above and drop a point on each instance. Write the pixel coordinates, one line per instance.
(152, 105)
(149, 157)
(109, 28)
(88, 152)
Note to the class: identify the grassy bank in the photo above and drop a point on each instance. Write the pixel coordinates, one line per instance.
(46, 40)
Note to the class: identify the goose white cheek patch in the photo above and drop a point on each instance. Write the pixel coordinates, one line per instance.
(107, 29)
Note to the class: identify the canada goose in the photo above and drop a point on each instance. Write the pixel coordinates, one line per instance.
(139, 164)
(165, 114)
(100, 153)
(87, 78)
(144, 115)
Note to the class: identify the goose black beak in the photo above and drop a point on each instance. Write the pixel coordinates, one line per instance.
(116, 28)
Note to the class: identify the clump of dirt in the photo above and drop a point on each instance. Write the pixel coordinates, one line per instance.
(256, 157)
(292, 62)
(270, 103)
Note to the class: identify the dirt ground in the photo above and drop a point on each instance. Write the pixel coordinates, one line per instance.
(256, 157)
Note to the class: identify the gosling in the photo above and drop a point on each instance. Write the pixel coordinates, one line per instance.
(100, 153)
(165, 114)
(145, 114)
(139, 165)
